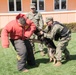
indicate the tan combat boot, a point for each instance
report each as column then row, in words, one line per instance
column 58, row 63
column 26, row 70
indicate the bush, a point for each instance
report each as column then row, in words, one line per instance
column 71, row 26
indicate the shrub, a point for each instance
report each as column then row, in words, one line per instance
column 71, row 26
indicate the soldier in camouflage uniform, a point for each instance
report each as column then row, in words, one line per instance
column 36, row 17
column 59, row 32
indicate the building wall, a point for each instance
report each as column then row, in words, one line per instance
column 62, row 16
column 48, row 5
column 26, row 5
column 3, row 6
column 71, row 4
column 5, row 18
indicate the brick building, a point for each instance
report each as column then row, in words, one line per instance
column 62, row 10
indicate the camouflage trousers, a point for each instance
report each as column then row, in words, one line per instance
column 61, row 47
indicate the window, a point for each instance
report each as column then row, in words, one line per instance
column 56, row 4
column 35, row 1
column 11, row 5
column 14, row 5
column 59, row 4
column 63, row 4
column 39, row 4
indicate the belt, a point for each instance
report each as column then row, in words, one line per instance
column 67, row 33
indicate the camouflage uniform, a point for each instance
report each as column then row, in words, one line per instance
column 36, row 17
column 59, row 32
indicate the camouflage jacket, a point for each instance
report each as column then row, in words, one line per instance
column 36, row 18
column 54, row 31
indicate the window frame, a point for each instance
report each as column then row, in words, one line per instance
column 14, row 7
column 60, row 9
column 38, row 6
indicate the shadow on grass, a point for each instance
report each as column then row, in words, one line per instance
column 45, row 51
column 46, row 60
column 43, row 60
column 72, row 57
column 38, row 61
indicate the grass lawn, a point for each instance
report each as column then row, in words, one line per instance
column 8, row 62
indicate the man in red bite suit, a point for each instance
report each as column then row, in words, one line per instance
column 19, row 31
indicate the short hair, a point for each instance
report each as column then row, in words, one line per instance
column 22, row 20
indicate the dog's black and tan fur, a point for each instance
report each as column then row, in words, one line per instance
column 49, row 43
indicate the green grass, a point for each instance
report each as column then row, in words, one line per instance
column 8, row 62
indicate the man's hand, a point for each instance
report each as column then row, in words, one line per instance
column 41, row 32
column 27, row 38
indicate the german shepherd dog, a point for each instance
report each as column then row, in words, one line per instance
column 49, row 43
